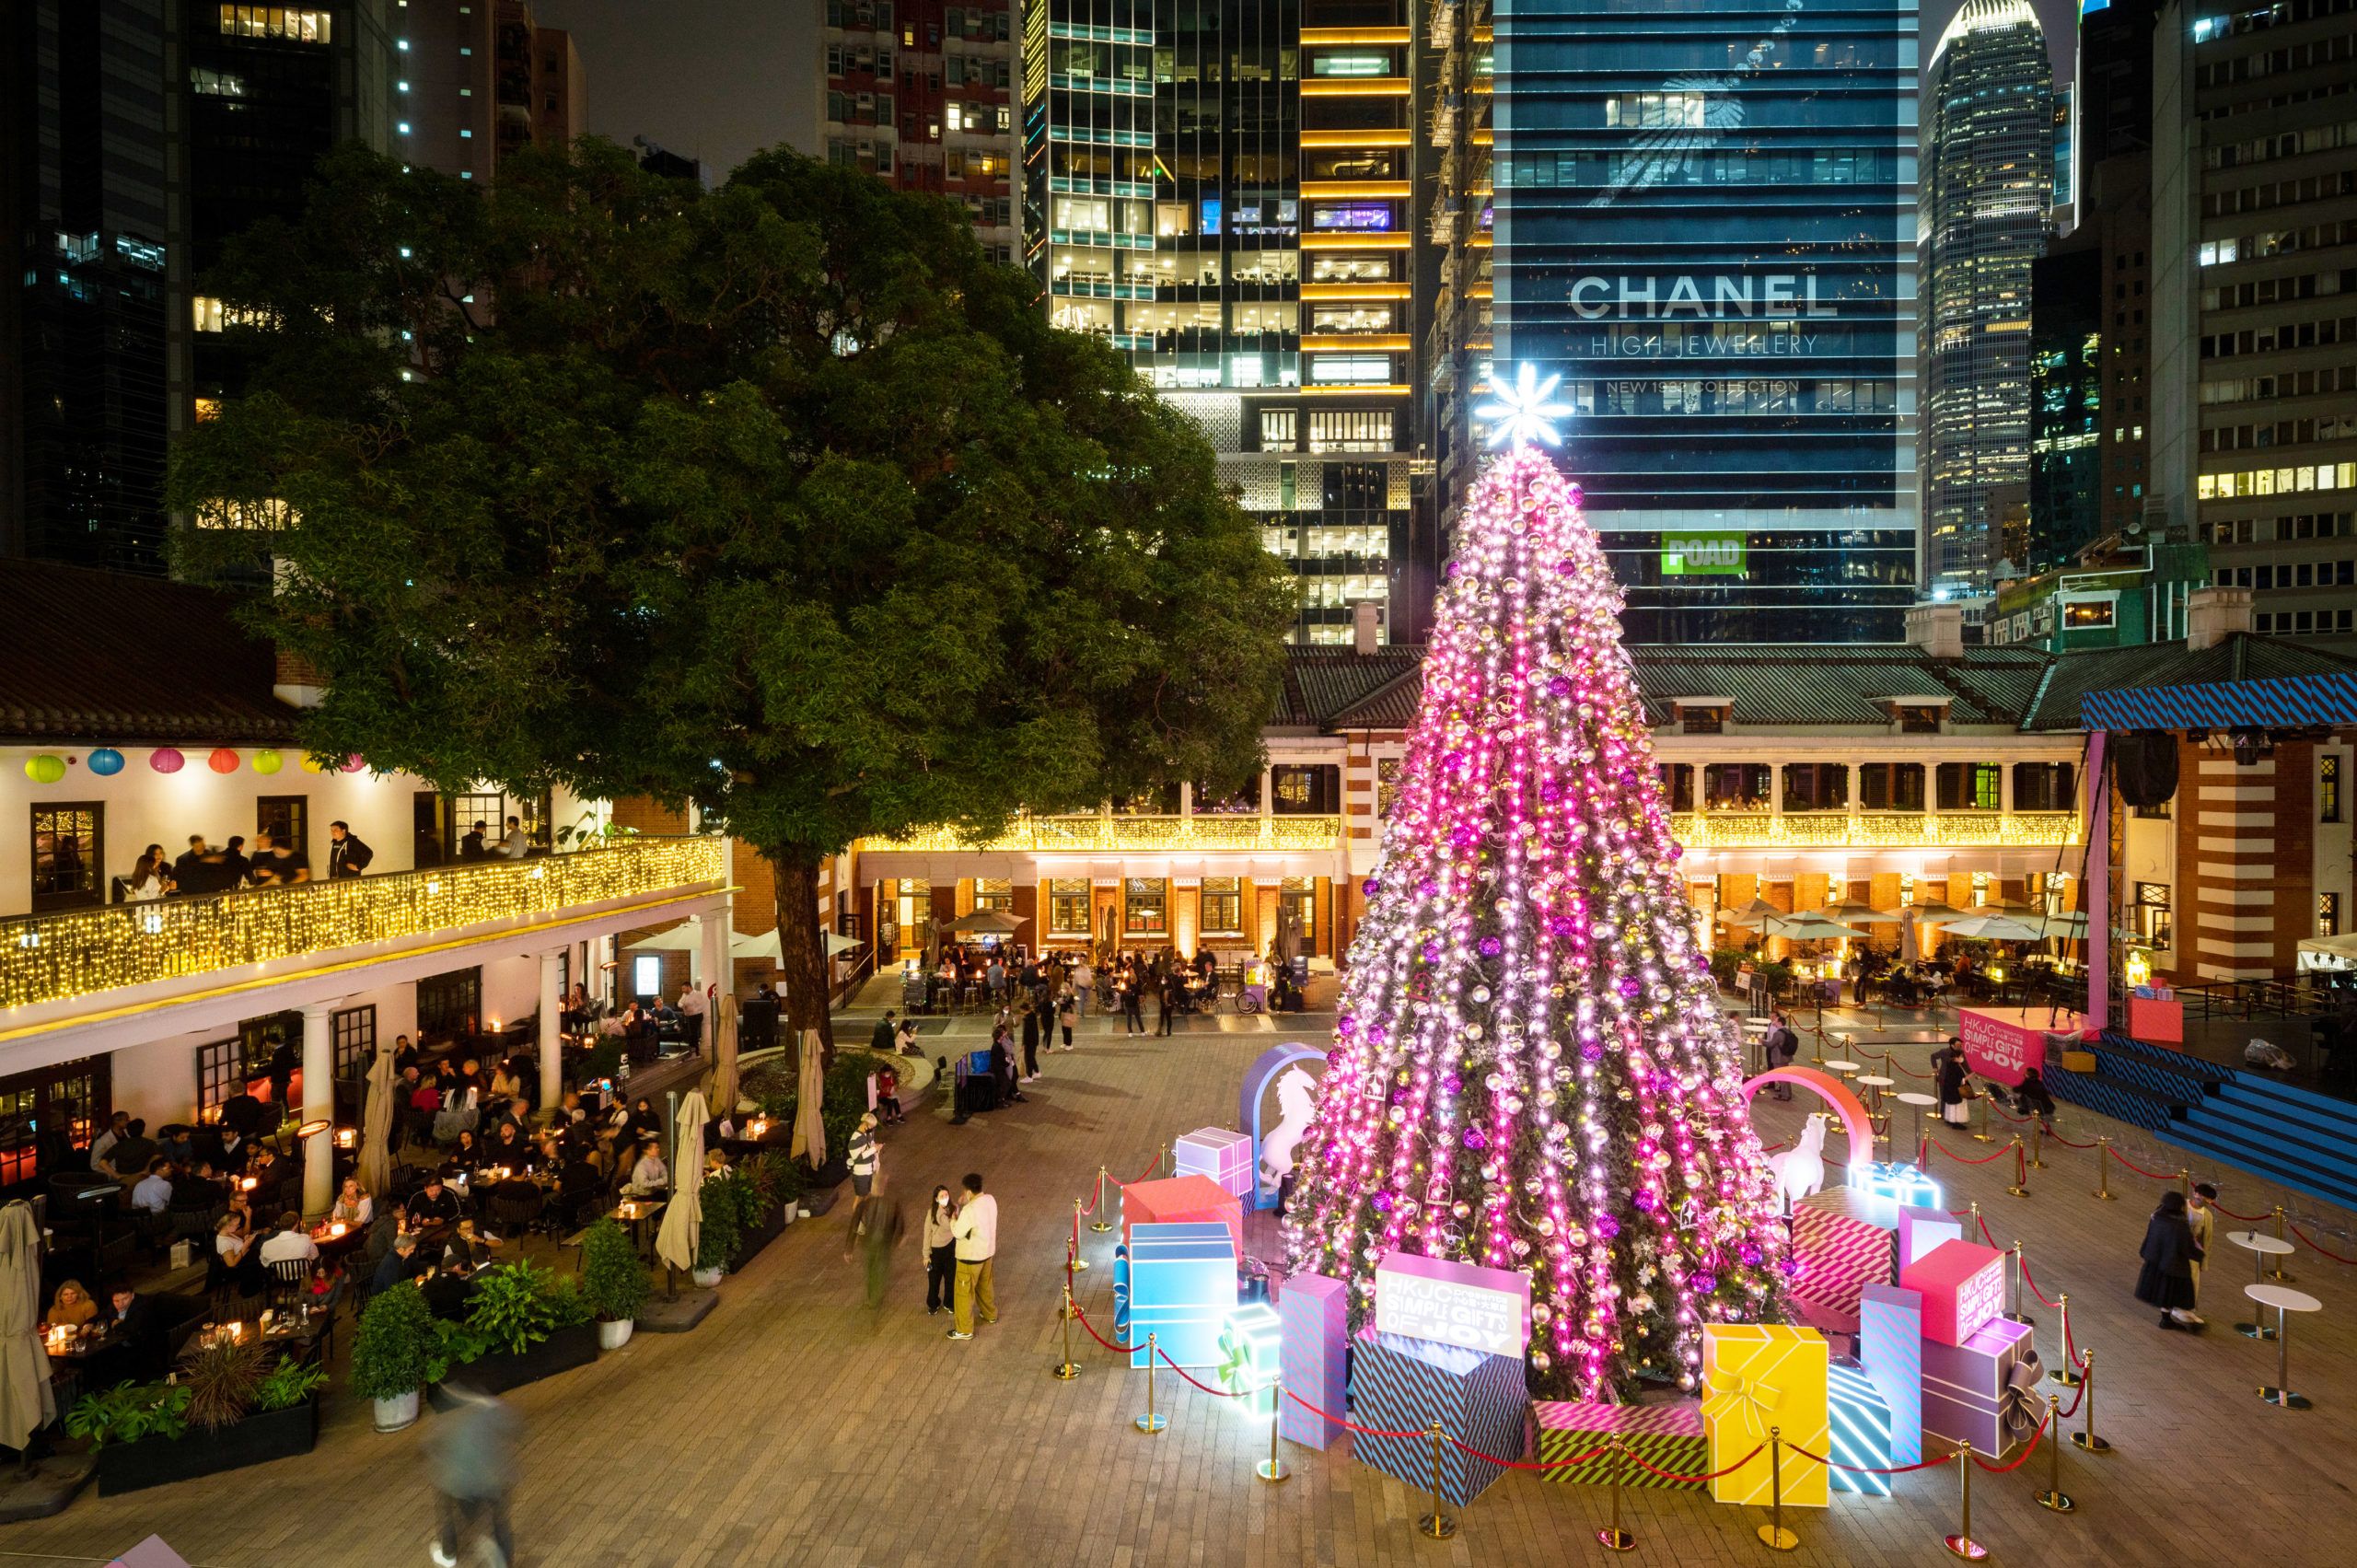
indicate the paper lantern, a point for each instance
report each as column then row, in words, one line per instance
column 223, row 761
column 45, row 768
column 312, row 764
column 354, row 763
column 268, row 761
column 106, row 761
column 165, row 759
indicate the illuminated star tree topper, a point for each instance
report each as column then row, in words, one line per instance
column 1526, row 412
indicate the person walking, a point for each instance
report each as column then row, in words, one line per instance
column 1780, row 1047
column 885, row 1230
column 1166, row 1003
column 864, row 1157
column 1067, row 1012
column 940, row 1253
column 1083, row 980
column 2170, row 1255
column 473, row 1448
column 1133, row 1007
column 691, row 1007
column 1031, row 1021
column 975, row 1233
column 2201, row 1218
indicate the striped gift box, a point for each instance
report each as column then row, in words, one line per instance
column 1313, row 1344
column 1667, row 1436
column 1860, row 1432
column 1890, row 1345
column 1840, row 1256
column 1404, row 1384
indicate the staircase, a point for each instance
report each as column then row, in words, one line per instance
column 2129, row 1084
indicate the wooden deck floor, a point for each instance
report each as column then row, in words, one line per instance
column 795, row 1427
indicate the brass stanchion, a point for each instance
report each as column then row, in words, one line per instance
column 2103, row 1168
column 2018, row 1315
column 1961, row 1544
column 1774, row 1534
column 1102, row 1225
column 2185, row 1181
column 1079, row 1263
column 1150, row 1422
column 2066, row 1375
column 1436, row 1526
column 1273, row 1468
column 2054, row 1497
column 2087, row 1438
column 2275, row 1264
column 2020, row 1188
column 2037, row 1144
column 1612, row 1536
column 1067, row 1369
column 1981, row 1119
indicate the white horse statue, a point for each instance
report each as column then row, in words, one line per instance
column 1800, row 1170
column 1296, row 1108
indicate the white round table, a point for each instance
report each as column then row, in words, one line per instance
column 1878, row 1083
column 2262, row 1246
column 1918, row 1101
column 1847, row 1069
column 2283, row 1298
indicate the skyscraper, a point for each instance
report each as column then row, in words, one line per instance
column 475, row 81
column 1988, row 197
column 1704, row 221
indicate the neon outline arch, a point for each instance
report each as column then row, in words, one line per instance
column 1855, row 1124
column 1257, row 1079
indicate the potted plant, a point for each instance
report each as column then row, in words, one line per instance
column 398, row 1352
column 614, row 1280
column 248, row 1416
column 524, row 1324
column 718, row 1229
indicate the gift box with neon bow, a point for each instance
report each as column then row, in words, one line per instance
column 1755, row 1377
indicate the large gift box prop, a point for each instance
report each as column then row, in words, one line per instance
column 1862, row 1437
column 1457, row 1304
column 1180, row 1200
column 1979, row 1392
column 1667, row 1436
column 1313, row 1347
column 1841, row 1253
column 1248, row 1356
column 1963, row 1284
column 1183, row 1290
column 1403, row 1384
column 1890, row 1345
column 1755, row 1377
column 1920, row 1230
column 1217, row 1154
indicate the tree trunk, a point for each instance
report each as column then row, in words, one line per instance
column 793, row 871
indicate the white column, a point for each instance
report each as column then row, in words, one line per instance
column 713, row 934
column 319, row 1105
column 552, row 1037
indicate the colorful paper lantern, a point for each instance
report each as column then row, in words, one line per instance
column 106, row 761
column 268, row 761
column 223, row 761
column 165, row 759
column 312, row 764
column 45, row 768
column 354, row 763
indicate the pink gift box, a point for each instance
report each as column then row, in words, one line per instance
column 1224, row 1156
column 1963, row 1286
column 1179, row 1199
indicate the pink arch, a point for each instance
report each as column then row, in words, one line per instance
column 1855, row 1123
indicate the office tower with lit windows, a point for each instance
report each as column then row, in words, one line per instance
column 1453, row 89
column 1228, row 192
column 477, row 79
column 1988, row 160
column 1703, row 220
column 923, row 95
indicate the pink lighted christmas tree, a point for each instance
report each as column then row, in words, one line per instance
column 1530, row 1068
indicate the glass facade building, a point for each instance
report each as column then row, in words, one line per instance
column 1705, row 220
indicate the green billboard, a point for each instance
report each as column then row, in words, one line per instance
column 1702, row 555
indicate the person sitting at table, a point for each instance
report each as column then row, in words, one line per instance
column 71, row 1307
column 154, row 1192
column 715, row 1163
column 433, row 1208
column 353, row 1206
column 447, row 1293
column 326, row 1288
column 175, row 1142
column 464, row 1159
column 470, row 1246
column 265, row 1167
column 644, row 1122
column 577, row 1181
column 509, row 1147
column 131, row 1152
column 234, row 1258
column 239, row 1214
column 650, row 1174
column 136, row 1322
column 544, row 1154
column 289, row 1242
column 403, row 1263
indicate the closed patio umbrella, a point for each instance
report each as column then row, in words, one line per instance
column 28, row 1403
column 723, row 1056
column 374, row 1166
column 683, row 1217
column 809, row 1130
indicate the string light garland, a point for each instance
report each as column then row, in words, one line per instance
column 1530, row 1068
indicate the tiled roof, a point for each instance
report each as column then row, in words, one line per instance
column 101, row 656
column 1322, row 682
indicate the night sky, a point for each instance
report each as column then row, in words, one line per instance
column 716, row 79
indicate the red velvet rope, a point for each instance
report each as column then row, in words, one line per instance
column 2246, row 1219
column 1164, row 1356
column 1984, row 1159
column 2033, row 1283
column 1692, row 1479
column 2067, row 1143
column 1117, row 1350
column 1345, row 1421
column 2335, row 1257
column 1869, row 1469
column 2024, row 1458
column 2148, row 1175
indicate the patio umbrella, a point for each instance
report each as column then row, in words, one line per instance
column 1910, row 943
column 724, row 1057
column 1751, row 913
column 1934, row 913
column 1806, row 927
column 1855, row 913
column 987, row 923
column 374, row 1166
column 809, row 1130
column 683, row 1217
column 1998, row 928
column 28, row 1403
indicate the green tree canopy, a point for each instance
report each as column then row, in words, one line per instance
column 779, row 499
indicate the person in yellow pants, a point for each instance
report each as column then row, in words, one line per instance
column 975, row 1231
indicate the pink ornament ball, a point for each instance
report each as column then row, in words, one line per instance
column 223, row 761
column 166, row 760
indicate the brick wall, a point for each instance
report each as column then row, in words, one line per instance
column 641, row 815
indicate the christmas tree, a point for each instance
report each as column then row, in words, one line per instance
column 1531, row 1070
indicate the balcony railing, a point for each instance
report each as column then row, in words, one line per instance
column 52, row 957
column 1100, row 835
column 1873, row 830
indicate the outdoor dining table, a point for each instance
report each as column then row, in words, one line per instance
column 2262, row 1246
column 640, row 1214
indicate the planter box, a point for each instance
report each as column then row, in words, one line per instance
column 751, row 1244
column 819, row 1200
column 258, row 1439
column 561, row 1352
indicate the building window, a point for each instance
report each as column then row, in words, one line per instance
column 74, row 1097
column 1816, row 786
column 224, row 1067
column 1068, row 906
column 1306, row 791
column 1706, row 718
column 2328, row 787
column 1387, row 785
column 2043, row 786
column 1676, row 784
column 355, row 1032
column 1970, row 787
column 277, row 21
column 1222, row 906
column 1205, row 801
column 450, row 1004
column 1279, row 429
column 1735, row 786
column 471, row 813
column 1297, row 908
column 2157, row 812
column 2328, row 914
column 2150, row 916
column 69, row 848
column 1351, row 430
column 287, row 818
column 1890, row 787
column 994, row 893
column 1921, row 718
column 1145, row 906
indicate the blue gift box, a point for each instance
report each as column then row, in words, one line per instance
column 1404, row 1384
column 1182, row 1288
column 1862, row 1432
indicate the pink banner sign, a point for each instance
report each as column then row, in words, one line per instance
column 2003, row 1044
column 1455, row 1304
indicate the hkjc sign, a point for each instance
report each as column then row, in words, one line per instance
column 1702, row 555
column 1455, row 1304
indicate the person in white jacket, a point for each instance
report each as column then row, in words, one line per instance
column 975, row 1230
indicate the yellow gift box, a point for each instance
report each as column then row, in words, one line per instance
column 1756, row 1378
